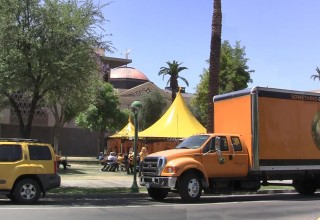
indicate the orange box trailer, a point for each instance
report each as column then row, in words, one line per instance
column 281, row 128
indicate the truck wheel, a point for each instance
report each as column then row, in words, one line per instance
column 27, row 191
column 190, row 188
column 305, row 187
column 158, row 194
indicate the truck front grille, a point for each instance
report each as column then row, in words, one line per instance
column 152, row 166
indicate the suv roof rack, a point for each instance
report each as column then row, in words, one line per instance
column 19, row 139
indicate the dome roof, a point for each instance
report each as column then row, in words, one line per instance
column 127, row 73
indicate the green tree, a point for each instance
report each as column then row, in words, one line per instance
column 46, row 47
column 315, row 76
column 199, row 104
column 234, row 75
column 103, row 113
column 214, row 61
column 153, row 106
column 173, row 70
column 234, row 72
column 124, row 117
column 68, row 105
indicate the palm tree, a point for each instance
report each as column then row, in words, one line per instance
column 314, row 76
column 173, row 70
column 214, row 66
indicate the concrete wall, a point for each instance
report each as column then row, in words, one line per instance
column 72, row 141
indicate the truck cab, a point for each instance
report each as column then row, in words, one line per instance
column 200, row 162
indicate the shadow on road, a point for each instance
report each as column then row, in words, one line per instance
column 143, row 200
column 251, row 197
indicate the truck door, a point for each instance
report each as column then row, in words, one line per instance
column 240, row 156
column 234, row 163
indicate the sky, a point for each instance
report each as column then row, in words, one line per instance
column 281, row 38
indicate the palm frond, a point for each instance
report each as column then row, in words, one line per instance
column 314, row 76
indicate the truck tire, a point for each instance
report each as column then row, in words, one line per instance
column 27, row 191
column 305, row 187
column 190, row 187
column 158, row 194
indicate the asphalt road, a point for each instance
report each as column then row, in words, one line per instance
column 140, row 206
column 268, row 206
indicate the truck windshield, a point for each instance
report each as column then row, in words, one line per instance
column 193, row 142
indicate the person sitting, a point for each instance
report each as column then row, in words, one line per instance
column 62, row 161
column 100, row 157
column 111, row 163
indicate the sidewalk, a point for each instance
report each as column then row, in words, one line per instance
column 86, row 172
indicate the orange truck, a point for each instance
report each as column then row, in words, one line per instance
column 262, row 137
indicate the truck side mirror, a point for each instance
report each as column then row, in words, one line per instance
column 217, row 143
column 217, row 146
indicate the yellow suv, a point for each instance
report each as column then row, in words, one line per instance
column 27, row 169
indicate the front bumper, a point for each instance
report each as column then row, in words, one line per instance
column 158, row 182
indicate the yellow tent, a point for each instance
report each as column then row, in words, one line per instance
column 126, row 132
column 177, row 122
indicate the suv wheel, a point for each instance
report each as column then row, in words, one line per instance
column 27, row 191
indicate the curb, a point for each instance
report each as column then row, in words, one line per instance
column 97, row 196
column 145, row 194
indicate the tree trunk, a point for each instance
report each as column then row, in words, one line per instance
column 56, row 128
column 214, row 67
column 101, row 142
column 56, row 135
column 173, row 95
column 174, row 87
column 25, row 127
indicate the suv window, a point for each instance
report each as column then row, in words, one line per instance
column 39, row 152
column 10, row 153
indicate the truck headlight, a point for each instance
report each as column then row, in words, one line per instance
column 171, row 169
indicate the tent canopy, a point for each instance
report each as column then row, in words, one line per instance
column 177, row 122
column 126, row 132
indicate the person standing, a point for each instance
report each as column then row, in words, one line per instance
column 143, row 153
column 120, row 161
column 130, row 161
